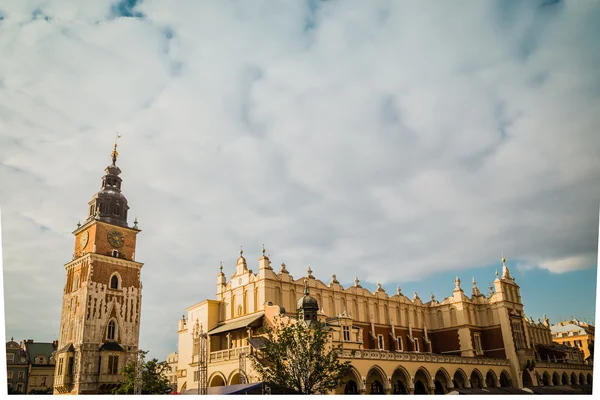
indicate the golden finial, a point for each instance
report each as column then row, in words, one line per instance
column 263, row 250
column 114, row 153
column 221, row 267
column 241, row 251
column 503, row 259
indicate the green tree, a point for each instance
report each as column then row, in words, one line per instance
column 298, row 358
column 154, row 380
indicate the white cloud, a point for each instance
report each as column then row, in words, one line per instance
column 413, row 138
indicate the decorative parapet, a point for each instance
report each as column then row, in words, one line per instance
column 407, row 356
column 542, row 364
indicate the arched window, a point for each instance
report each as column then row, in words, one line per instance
column 239, row 311
column 101, row 207
column 114, row 282
column 111, row 331
column 92, row 209
column 76, row 282
column 117, row 209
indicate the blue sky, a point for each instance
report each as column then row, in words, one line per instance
column 401, row 142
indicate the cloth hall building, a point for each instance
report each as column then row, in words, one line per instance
column 396, row 344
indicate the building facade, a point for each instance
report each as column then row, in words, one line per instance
column 396, row 344
column 17, row 368
column 171, row 373
column 574, row 333
column 102, row 297
column 40, row 357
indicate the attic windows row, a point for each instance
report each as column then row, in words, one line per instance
column 102, row 208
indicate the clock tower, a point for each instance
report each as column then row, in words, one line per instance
column 102, row 297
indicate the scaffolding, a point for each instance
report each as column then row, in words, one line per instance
column 202, row 358
column 139, row 370
column 242, row 367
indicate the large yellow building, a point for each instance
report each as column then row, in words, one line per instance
column 396, row 344
column 574, row 333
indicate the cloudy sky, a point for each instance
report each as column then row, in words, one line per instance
column 402, row 142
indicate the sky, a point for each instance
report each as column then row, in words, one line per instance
column 405, row 143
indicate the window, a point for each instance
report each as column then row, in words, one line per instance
column 239, row 310
column 43, row 381
column 380, row 342
column 195, row 376
column 567, row 343
column 60, row 365
column 346, row 330
column 10, row 357
column 114, row 280
column 92, row 210
column 111, row 331
column 10, row 375
column 115, row 253
column 578, row 343
column 113, row 365
column 19, row 388
column 399, row 344
column 76, row 282
column 101, row 207
column 70, row 366
column 417, row 345
column 117, row 209
column 478, row 348
column 518, row 335
column 21, row 375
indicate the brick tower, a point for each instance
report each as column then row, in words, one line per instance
column 102, row 298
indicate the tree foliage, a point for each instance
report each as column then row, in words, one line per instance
column 154, row 380
column 299, row 359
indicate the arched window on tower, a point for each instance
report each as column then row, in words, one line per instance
column 91, row 210
column 117, row 209
column 111, row 332
column 114, row 282
column 101, row 207
column 76, row 282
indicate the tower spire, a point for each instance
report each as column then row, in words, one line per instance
column 114, row 153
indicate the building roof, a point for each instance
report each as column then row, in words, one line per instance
column 111, row 346
column 36, row 349
column 569, row 328
column 236, row 324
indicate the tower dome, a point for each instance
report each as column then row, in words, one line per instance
column 109, row 204
column 307, row 306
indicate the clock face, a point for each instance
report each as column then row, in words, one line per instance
column 83, row 240
column 115, row 238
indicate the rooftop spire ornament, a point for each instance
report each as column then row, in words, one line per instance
column 263, row 250
column 114, row 153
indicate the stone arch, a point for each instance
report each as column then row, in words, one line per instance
column 546, row 379
column 573, row 378
column 490, row 379
column 442, row 382
column 376, row 380
column 440, row 319
column 581, row 379
column 400, row 381
column 460, row 380
column 477, row 379
column 293, row 300
column 589, row 379
column 422, row 382
column 351, row 382
column 217, row 379
column 527, row 379
column 255, row 299
column 235, row 377
column 564, row 378
column 555, row 379
column 453, row 321
column 115, row 281
column 505, row 380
